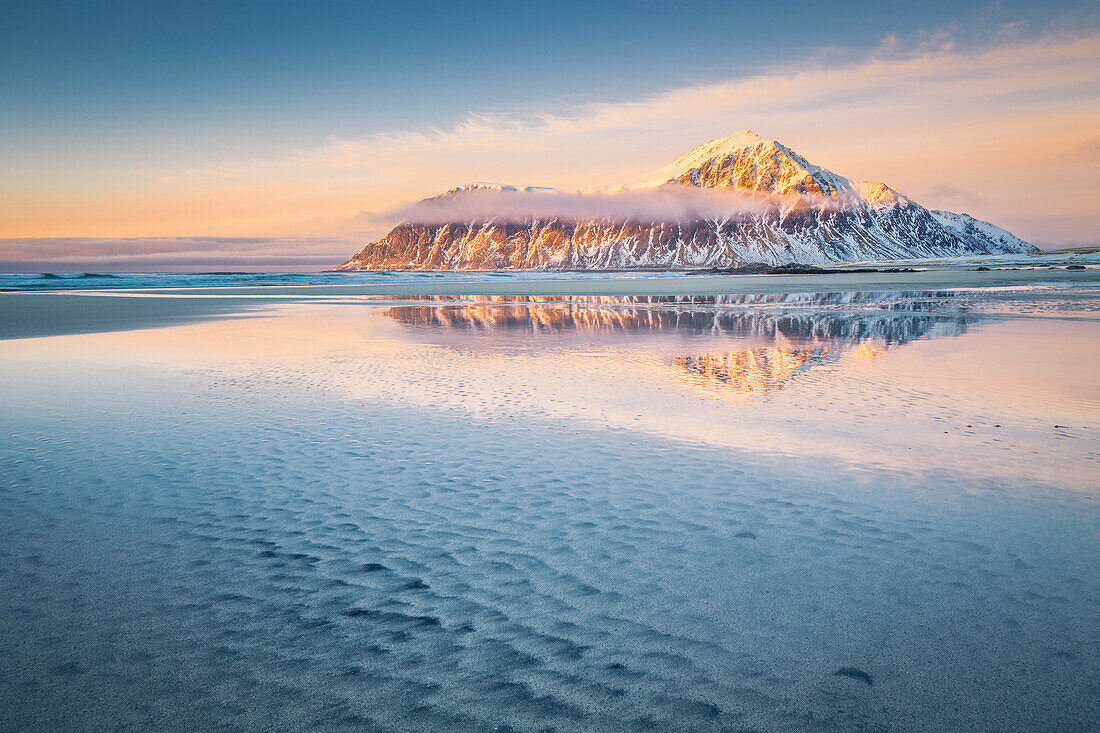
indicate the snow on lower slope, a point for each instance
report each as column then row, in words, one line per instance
column 981, row 235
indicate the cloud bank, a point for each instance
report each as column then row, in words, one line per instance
column 124, row 254
column 667, row 205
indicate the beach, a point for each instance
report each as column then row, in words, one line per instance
column 853, row 501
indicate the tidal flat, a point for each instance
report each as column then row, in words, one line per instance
column 863, row 502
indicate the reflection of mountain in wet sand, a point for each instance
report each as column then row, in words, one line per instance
column 748, row 370
column 797, row 330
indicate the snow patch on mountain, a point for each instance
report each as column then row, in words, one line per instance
column 981, row 235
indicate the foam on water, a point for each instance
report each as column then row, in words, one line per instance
column 851, row 512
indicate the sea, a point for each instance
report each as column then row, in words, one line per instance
column 47, row 281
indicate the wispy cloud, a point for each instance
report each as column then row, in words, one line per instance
column 193, row 174
column 475, row 130
column 130, row 253
column 953, row 194
column 1007, row 79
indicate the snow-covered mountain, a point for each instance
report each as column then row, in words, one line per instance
column 729, row 202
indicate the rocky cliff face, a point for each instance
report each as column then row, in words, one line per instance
column 762, row 202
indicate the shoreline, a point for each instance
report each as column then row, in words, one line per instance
column 36, row 314
column 678, row 284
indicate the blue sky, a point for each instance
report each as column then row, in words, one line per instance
column 97, row 96
column 337, row 67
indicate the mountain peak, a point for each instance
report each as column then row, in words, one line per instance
column 739, row 140
column 490, row 186
column 878, row 194
column 718, row 148
column 746, row 161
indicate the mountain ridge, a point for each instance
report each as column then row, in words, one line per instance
column 729, row 202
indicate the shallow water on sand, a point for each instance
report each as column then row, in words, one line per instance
column 850, row 511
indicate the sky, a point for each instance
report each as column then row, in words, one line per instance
column 278, row 135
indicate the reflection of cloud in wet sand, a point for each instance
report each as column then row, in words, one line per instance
column 787, row 332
